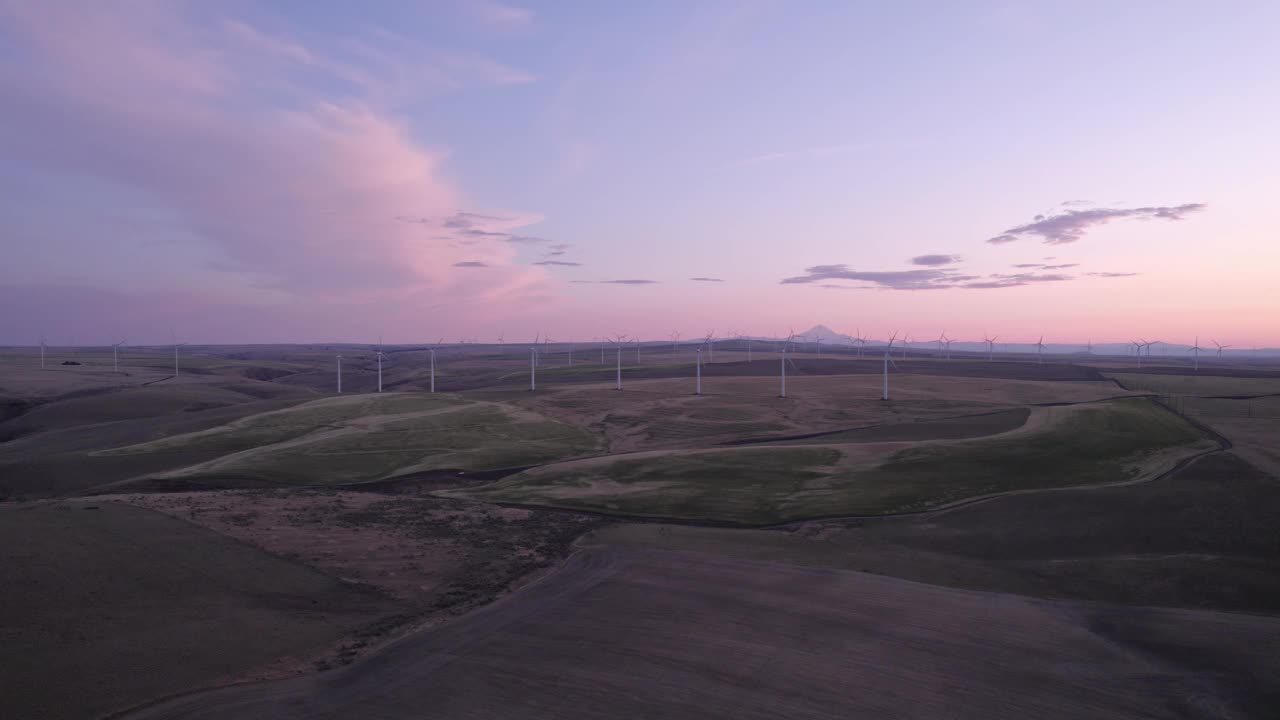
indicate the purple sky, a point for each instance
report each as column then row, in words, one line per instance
column 289, row 172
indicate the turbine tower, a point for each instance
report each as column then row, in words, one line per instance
column 379, row 355
column 1221, row 347
column 432, row 350
column 888, row 350
column 42, row 352
column 1137, row 350
column 1196, row 349
column 176, row 345
column 339, row 374
column 675, row 338
column 1040, row 351
column 618, row 341
column 991, row 343
column 711, row 345
column 698, row 364
column 783, row 358
column 533, row 366
column 115, row 356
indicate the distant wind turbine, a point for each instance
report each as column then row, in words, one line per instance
column 991, row 343
column 115, row 355
column 698, row 364
column 42, row 346
column 783, row 359
column 1137, row 350
column 711, row 345
column 533, row 367
column 339, row 374
column 675, row 338
column 906, row 343
column 379, row 356
column 888, row 350
column 176, row 345
column 1196, row 349
column 618, row 341
column 1221, row 347
column 1040, row 351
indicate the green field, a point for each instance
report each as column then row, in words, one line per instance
column 370, row 437
column 1108, row 442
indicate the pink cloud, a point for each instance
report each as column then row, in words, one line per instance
column 298, row 194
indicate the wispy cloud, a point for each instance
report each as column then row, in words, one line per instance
column 896, row 279
column 706, row 279
column 563, row 263
column 932, row 279
column 935, row 260
column 1112, row 274
column 1072, row 225
column 615, row 282
column 470, row 264
column 1029, row 265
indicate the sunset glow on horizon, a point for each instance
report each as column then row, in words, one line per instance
column 249, row 172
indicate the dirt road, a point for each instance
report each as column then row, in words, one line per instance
column 635, row 633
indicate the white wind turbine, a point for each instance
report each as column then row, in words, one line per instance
column 537, row 337
column 888, row 350
column 1221, row 347
column 1196, row 349
column 42, row 346
column 711, row 345
column 115, row 355
column 862, row 342
column 906, row 343
column 176, row 345
column 1040, row 351
column 698, row 364
column 533, row 366
column 1137, row 350
column 991, row 343
column 380, row 356
column 637, row 350
column 339, row 374
column 432, row 350
column 783, row 358
column 618, row 341
column 675, row 338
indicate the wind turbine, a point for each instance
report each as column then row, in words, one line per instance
column 1040, row 351
column 818, row 341
column 1221, row 347
column 432, row 350
column 339, row 374
column 637, row 350
column 675, row 338
column 862, row 342
column 711, row 345
column 176, row 345
column 948, row 342
column 501, row 344
column 991, row 343
column 698, row 387
column 380, row 356
column 748, row 348
column 536, row 337
column 906, row 343
column 115, row 355
column 888, row 350
column 533, row 366
column 618, row 342
column 1196, row 349
column 41, row 352
column 783, row 358
column 1137, row 350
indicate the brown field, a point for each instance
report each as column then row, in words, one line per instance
column 643, row 634
column 107, row 606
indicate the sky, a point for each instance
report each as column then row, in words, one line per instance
column 244, row 172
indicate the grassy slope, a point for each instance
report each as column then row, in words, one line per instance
column 120, row 605
column 1203, row 537
column 1108, row 442
column 369, row 437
